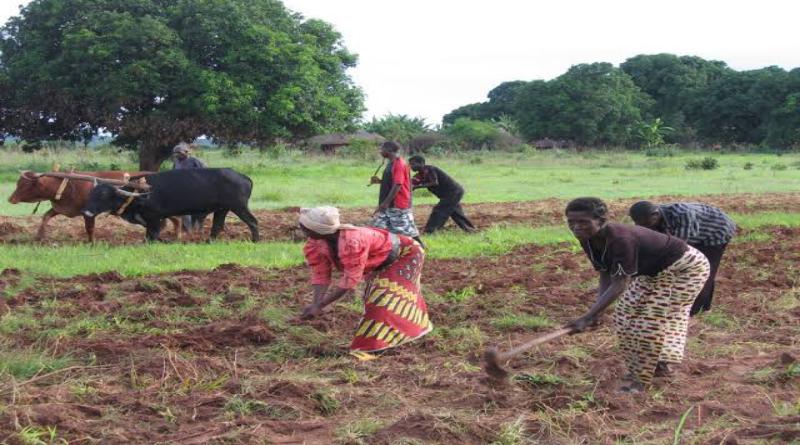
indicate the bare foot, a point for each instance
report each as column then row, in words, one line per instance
column 662, row 370
column 632, row 387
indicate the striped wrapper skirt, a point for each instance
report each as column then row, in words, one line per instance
column 652, row 317
column 394, row 310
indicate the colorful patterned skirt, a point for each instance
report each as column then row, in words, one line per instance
column 394, row 310
column 652, row 317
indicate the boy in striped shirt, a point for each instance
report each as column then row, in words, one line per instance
column 704, row 227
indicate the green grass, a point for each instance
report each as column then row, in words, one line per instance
column 718, row 319
column 462, row 339
column 242, row 406
column 159, row 258
column 134, row 260
column 142, row 259
column 512, row 433
column 766, row 219
column 357, row 431
column 296, row 179
column 509, row 322
column 24, row 365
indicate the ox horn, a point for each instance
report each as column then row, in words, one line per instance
column 28, row 173
column 128, row 194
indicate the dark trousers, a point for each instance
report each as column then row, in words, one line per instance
column 714, row 255
column 193, row 223
column 449, row 207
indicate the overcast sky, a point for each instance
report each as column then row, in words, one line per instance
column 426, row 57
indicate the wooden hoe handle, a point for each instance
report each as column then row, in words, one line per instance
column 531, row 343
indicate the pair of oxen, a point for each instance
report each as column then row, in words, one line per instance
column 142, row 198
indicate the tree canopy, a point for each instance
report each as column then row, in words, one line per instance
column 397, row 127
column 594, row 104
column 156, row 72
column 502, row 101
column 699, row 100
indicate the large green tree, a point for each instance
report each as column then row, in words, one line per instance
column 783, row 129
column 502, row 102
column 398, row 127
column 592, row 104
column 156, row 72
column 739, row 106
column 676, row 84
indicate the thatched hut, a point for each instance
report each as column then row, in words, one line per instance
column 331, row 141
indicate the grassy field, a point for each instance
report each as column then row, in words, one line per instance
column 143, row 259
column 199, row 343
column 293, row 179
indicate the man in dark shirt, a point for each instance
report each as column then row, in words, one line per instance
column 704, row 227
column 446, row 189
column 182, row 161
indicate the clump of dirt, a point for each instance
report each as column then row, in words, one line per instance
column 434, row 429
column 10, row 273
column 225, row 334
column 7, row 228
column 105, row 277
column 8, row 278
column 183, row 300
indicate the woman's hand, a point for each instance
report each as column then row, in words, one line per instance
column 310, row 311
column 374, row 180
column 381, row 208
column 579, row 325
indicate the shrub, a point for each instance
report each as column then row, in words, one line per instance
column 748, row 166
column 275, row 151
column 707, row 163
column 436, row 150
column 660, row 152
column 233, row 151
column 398, row 127
column 474, row 135
column 359, row 149
column 422, row 143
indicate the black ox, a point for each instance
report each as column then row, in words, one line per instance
column 178, row 192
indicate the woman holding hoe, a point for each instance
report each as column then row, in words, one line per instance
column 394, row 310
column 657, row 276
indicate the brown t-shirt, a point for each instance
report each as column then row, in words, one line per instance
column 634, row 250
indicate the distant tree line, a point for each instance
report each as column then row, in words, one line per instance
column 698, row 101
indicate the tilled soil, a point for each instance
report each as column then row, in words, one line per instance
column 281, row 224
column 219, row 357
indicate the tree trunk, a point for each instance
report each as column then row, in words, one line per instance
column 152, row 156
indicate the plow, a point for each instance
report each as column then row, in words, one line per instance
column 139, row 184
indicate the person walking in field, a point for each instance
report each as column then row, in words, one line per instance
column 446, row 189
column 183, row 160
column 394, row 203
column 657, row 277
column 704, row 227
column 394, row 309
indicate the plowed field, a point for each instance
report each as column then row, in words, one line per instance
column 281, row 224
column 218, row 357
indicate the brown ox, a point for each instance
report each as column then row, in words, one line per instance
column 73, row 196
